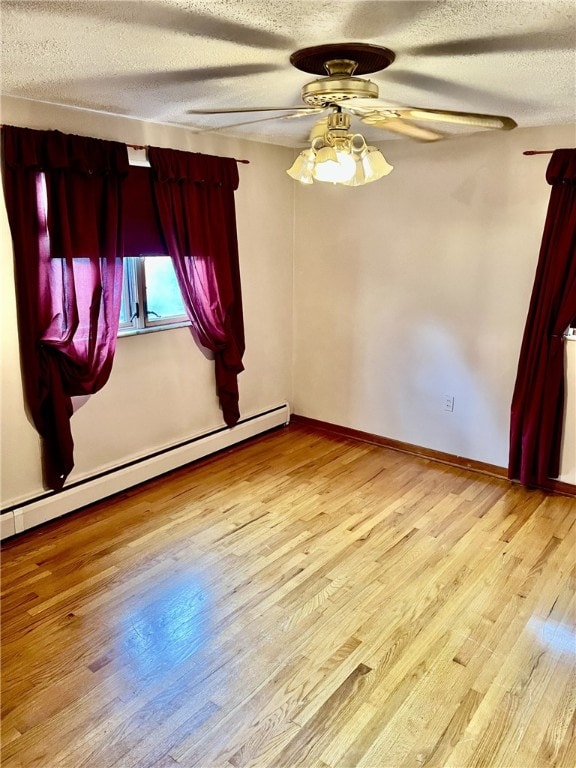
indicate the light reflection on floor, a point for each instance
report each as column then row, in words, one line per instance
column 171, row 627
column 557, row 636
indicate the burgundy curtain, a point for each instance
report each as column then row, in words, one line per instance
column 538, row 401
column 64, row 208
column 194, row 195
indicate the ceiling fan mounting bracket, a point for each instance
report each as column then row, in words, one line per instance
column 340, row 61
column 367, row 58
column 345, row 67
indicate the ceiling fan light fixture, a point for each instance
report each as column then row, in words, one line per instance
column 302, row 168
column 339, row 157
column 374, row 164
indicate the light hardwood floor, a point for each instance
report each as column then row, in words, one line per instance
column 302, row 600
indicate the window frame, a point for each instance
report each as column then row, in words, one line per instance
column 134, row 299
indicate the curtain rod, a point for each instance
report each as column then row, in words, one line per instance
column 145, row 146
column 538, row 152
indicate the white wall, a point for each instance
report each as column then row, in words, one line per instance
column 406, row 290
column 417, row 286
column 162, row 390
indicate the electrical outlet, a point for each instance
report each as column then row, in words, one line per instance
column 449, row 403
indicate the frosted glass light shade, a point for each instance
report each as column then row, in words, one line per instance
column 334, row 165
column 301, row 169
column 374, row 164
column 359, row 178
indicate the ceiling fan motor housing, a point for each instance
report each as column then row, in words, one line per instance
column 330, row 90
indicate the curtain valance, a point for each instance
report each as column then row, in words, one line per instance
column 175, row 165
column 26, row 148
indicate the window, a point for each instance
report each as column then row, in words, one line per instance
column 151, row 298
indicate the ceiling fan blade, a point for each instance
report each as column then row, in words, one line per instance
column 365, row 107
column 297, row 110
column 215, row 129
column 305, row 112
column 318, row 129
column 498, row 122
column 403, row 127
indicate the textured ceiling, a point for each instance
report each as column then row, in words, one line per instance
column 156, row 59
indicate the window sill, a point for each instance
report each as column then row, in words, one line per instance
column 123, row 332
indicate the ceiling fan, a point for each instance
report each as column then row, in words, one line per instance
column 341, row 92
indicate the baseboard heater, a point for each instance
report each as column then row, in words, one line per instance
column 51, row 505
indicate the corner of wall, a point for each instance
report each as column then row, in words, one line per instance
column 293, row 329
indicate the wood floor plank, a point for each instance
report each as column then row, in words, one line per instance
column 302, row 600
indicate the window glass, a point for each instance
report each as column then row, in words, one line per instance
column 125, row 306
column 151, row 298
column 163, row 297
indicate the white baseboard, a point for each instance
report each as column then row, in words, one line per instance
column 7, row 527
column 41, row 510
